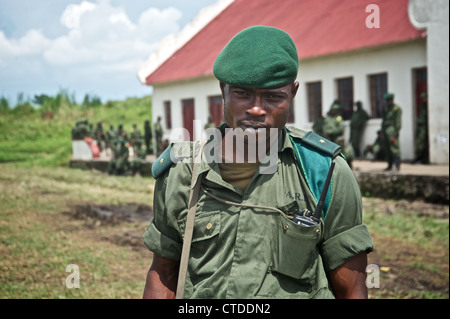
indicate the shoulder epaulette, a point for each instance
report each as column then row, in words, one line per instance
column 162, row 163
column 315, row 141
column 174, row 153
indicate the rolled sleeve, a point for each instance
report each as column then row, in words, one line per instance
column 160, row 244
column 338, row 249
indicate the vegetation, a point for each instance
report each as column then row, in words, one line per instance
column 38, row 132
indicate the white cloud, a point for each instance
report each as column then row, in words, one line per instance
column 32, row 42
column 99, row 37
column 71, row 15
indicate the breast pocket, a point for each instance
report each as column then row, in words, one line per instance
column 295, row 249
column 204, row 256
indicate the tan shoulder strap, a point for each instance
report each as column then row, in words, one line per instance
column 189, row 230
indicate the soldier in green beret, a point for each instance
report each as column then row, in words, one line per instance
column 390, row 126
column 247, row 232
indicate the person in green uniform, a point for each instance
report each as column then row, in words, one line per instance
column 158, row 136
column 246, row 243
column 139, row 157
column 135, row 135
column 390, row 126
column 357, row 124
column 333, row 124
column 119, row 164
column 110, row 138
column 377, row 148
column 422, row 131
column 148, row 137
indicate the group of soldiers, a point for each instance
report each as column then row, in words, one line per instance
column 386, row 146
column 332, row 128
column 127, row 151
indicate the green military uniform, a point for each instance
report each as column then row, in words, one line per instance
column 158, row 136
column 110, row 137
column 333, row 125
column 377, row 148
column 248, row 252
column 140, row 154
column 119, row 164
column 357, row 123
column 422, row 132
column 390, row 126
column 135, row 135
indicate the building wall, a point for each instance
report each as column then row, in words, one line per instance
column 433, row 15
column 398, row 61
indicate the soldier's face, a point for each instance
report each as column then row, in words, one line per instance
column 249, row 108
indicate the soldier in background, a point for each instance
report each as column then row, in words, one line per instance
column 158, row 136
column 139, row 157
column 357, row 124
column 135, row 135
column 148, row 137
column 390, row 126
column 333, row 124
column 99, row 136
column 110, row 138
column 119, row 164
column 422, row 131
column 377, row 148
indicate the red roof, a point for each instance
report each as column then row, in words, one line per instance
column 317, row 28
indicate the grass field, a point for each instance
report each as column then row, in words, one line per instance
column 40, row 236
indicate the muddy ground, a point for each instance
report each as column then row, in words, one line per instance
column 401, row 276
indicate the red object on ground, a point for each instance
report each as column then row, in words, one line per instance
column 93, row 146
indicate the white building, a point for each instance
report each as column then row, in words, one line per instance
column 348, row 49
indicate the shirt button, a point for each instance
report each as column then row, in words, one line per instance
column 208, row 226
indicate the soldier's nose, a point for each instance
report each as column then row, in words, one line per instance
column 256, row 111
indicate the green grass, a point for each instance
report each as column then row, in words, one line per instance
column 38, row 238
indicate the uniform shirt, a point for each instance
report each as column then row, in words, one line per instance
column 247, row 252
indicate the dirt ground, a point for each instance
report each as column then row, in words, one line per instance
column 399, row 261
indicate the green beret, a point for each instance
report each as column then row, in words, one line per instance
column 258, row 57
column 335, row 107
column 388, row 96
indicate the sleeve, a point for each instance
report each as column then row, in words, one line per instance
column 161, row 237
column 344, row 233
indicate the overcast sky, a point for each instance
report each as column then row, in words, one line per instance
column 94, row 46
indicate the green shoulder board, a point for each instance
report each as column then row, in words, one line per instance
column 314, row 155
column 162, row 163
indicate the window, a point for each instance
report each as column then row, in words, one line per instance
column 188, row 112
column 345, row 97
column 314, row 95
column 215, row 109
column 168, row 114
column 377, row 88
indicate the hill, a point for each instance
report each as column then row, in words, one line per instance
column 41, row 135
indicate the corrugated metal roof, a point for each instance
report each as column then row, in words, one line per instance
column 317, row 27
